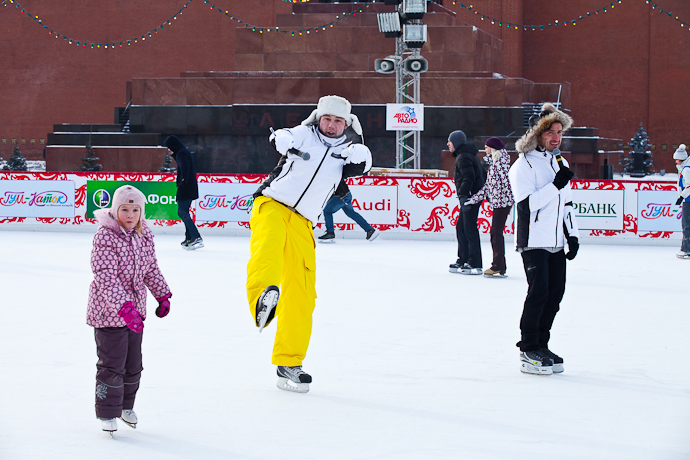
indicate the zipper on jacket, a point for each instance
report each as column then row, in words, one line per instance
column 286, row 172
column 536, row 218
column 312, row 177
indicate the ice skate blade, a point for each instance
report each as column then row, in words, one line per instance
column 474, row 271
column 683, row 256
column 558, row 368
column 528, row 368
column 454, row 270
column 327, row 241
column 131, row 425
column 288, row 385
column 495, row 276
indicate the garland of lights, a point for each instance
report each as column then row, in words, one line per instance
column 98, row 45
column 557, row 23
column 254, row 28
column 292, row 32
column 150, row 33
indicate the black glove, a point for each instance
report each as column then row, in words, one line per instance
column 562, row 178
column 679, row 200
column 463, row 199
column 573, row 246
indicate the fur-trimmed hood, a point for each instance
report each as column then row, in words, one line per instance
column 540, row 123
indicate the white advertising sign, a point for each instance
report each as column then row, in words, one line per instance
column 599, row 209
column 29, row 198
column 404, row 117
column 378, row 204
column 657, row 211
column 224, row 202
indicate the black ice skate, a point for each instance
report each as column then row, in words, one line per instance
column 456, row 267
column 372, row 233
column 535, row 362
column 266, row 306
column 293, row 379
column 467, row 269
column 557, row 360
column 194, row 244
column 328, row 237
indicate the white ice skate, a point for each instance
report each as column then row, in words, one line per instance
column 469, row 270
column 535, row 362
column 683, row 255
column 293, row 379
column 129, row 417
column 266, row 305
column 109, row 425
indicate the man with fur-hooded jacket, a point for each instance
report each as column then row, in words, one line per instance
column 286, row 208
column 545, row 222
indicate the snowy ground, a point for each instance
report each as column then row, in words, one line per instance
column 409, row 361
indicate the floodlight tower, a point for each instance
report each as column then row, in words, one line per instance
column 410, row 34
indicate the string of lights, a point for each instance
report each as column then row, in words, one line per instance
column 261, row 30
column 557, row 23
column 169, row 22
column 90, row 45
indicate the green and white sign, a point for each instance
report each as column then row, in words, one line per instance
column 161, row 203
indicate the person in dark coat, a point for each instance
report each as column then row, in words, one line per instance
column 469, row 179
column 187, row 190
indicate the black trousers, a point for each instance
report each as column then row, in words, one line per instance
column 118, row 370
column 545, row 273
column 498, row 223
column 469, row 246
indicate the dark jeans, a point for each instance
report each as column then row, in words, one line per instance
column 545, row 273
column 190, row 232
column 498, row 223
column 337, row 203
column 118, row 369
column 469, row 247
column 685, row 222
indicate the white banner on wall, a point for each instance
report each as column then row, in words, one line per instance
column 24, row 198
column 224, row 202
column 599, row 209
column 657, row 211
column 378, row 204
column 404, row 117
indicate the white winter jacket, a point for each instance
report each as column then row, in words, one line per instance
column 544, row 213
column 306, row 186
column 684, row 179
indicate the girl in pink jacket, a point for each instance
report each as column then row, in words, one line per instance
column 124, row 263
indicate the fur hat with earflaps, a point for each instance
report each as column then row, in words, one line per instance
column 539, row 123
column 336, row 106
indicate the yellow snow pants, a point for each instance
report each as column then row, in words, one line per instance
column 282, row 253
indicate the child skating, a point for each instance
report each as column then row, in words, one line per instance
column 123, row 261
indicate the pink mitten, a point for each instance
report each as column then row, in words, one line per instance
column 163, row 306
column 131, row 317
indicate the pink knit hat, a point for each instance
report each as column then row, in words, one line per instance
column 128, row 195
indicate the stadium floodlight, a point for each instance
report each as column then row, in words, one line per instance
column 414, row 9
column 390, row 24
column 414, row 35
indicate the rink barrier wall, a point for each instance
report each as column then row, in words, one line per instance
column 397, row 206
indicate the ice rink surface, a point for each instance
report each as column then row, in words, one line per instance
column 409, row 361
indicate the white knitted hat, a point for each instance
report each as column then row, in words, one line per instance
column 680, row 153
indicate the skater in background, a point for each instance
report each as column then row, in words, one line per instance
column 124, row 264
column 497, row 190
column 469, row 177
column 683, row 165
column 286, row 208
column 545, row 222
column 187, row 190
column 342, row 199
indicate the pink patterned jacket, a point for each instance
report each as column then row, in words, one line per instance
column 497, row 186
column 123, row 264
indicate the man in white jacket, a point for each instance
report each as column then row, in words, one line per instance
column 316, row 155
column 683, row 165
column 545, row 223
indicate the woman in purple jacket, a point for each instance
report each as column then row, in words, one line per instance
column 124, row 264
column 497, row 190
